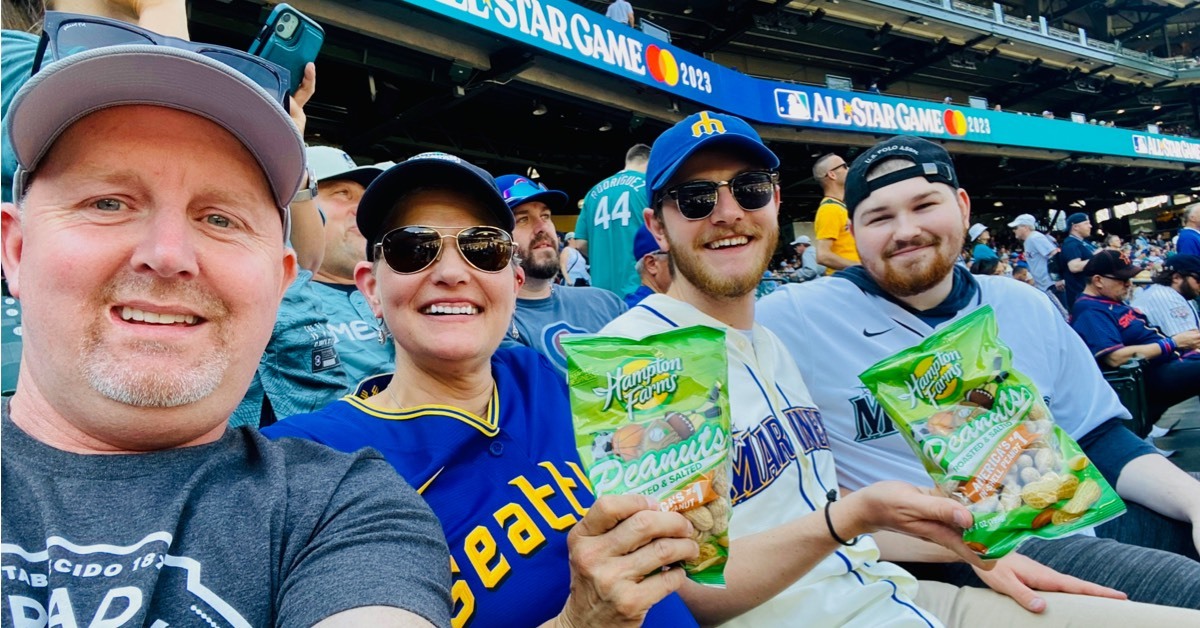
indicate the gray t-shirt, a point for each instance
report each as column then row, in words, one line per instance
column 239, row 532
column 1038, row 248
column 542, row 323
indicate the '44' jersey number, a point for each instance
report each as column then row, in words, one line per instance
column 620, row 211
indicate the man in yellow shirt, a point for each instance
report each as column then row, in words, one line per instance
column 835, row 243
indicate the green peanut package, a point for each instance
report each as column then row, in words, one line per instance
column 652, row 418
column 987, row 439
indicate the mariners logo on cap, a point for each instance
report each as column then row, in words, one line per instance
column 707, row 126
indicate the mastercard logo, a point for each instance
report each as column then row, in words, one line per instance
column 662, row 65
column 955, row 121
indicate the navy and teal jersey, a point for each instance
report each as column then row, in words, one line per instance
column 609, row 220
column 10, row 340
column 507, row 486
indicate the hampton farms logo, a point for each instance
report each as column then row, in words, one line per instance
column 934, row 379
column 641, row 384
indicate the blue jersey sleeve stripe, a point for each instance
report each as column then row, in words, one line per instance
column 658, row 314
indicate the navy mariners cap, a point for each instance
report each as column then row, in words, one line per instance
column 1183, row 264
column 426, row 170
column 930, row 161
column 643, row 243
column 518, row 190
column 701, row 130
column 1112, row 264
column 1076, row 218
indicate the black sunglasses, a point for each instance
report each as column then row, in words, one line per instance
column 697, row 199
column 66, row 34
column 414, row 248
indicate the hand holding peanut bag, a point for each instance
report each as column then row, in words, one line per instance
column 987, row 439
column 652, row 418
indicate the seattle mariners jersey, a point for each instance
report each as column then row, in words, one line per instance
column 1166, row 309
column 541, row 323
column 611, row 216
column 835, row 331
column 782, row 469
column 507, row 486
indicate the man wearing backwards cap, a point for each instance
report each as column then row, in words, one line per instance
column 546, row 312
column 1076, row 251
column 795, row 558
column 909, row 217
column 1165, row 302
column 325, row 339
column 1115, row 332
column 147, row 246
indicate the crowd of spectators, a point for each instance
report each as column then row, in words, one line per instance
column 262, row 384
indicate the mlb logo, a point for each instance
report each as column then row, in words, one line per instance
column 792, row 105
column 1139, row 144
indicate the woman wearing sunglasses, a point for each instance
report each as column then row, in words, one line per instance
column 485, row 433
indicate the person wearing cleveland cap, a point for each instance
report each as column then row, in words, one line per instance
column 1165, row 302
column 910, row 216
column 1116, row 332
column 147, row 243
column 545, row 311
column 485, row 430
column 325, row 339
column 1076, row 251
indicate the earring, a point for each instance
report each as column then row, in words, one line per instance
column 381, row 331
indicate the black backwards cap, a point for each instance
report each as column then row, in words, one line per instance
column 930, row 161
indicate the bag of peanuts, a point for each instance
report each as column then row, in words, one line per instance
column 652, row 418
column 987, row 438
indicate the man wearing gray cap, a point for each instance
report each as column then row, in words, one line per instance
column 325, row 339
column 1076, row 251
column 1039, row 248
column 147, row 243
column 809, row 269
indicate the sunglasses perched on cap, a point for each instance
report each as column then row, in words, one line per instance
column 414, row 248
column 696, row 199
column 66, row 34
column 524, row 187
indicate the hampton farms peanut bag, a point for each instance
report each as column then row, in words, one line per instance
column 987, row 439
column 652, row 417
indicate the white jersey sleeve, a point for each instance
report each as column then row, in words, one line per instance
column 1166, row 309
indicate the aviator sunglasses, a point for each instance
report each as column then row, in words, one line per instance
column 697, row 199
column 412, row 249
column 66, row 34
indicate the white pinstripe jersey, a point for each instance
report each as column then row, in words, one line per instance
column 782, row 470
column 1166, row 309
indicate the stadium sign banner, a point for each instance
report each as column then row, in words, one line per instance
column 573, row 32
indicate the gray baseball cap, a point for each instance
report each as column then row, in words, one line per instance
column 330, row 163
column 67, row 90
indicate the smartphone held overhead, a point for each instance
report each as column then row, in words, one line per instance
column 291, row 39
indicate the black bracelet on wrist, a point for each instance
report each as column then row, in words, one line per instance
column 831, row 497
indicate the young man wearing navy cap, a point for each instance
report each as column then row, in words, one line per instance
column 546, row 312
column 1076, row 251
column 1115, row 332
column 910, row 217
column 148, row 245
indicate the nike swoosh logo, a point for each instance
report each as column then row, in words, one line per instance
column 872, row 334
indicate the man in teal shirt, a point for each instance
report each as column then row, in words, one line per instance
column 611, row 216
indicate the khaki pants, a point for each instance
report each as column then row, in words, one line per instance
column 970, row 607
